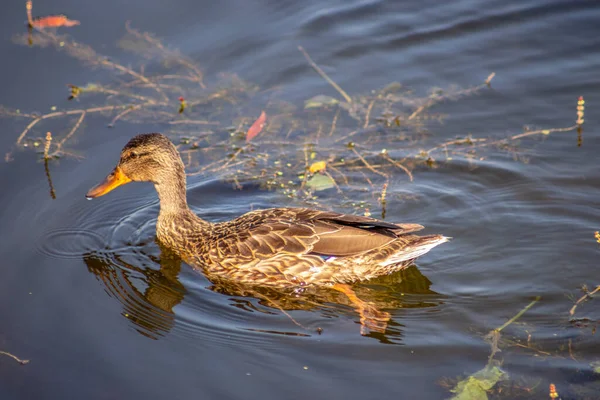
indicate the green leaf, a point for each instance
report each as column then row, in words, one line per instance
column 320, row 101
column 320, row 182
column 475, row 387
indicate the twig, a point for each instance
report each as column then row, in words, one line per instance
column 47, row 145
column 91, row 54
column 494, row 335
column 583, row 298
column 344, row 177
column 47, row 170
column 543, row 131
column 397, row 164
column 339, row 190
column 324, row 75
column 123, row 113
column 306, row 168
column 63, row 113
column 348, row 136
column 464, row 92
column 28, row 7
column 513, row 343
column 519, row 314
column 100, row 89
column 17, row 359
column 173, row 54
column 75, row 127
column 233, row 157
column 192, row 122
column 368, row 113
column 334, row 122
column 369, row 166
column 571, row 351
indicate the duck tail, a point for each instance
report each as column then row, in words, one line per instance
column 420, row 246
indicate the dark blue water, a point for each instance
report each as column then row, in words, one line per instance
column 102, row 312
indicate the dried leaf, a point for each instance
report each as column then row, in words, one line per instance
column 320, row 182
column 256, row 127
column 318, row 166
column 53, row 21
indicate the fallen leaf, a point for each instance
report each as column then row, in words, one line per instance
column 53, row 21
column 320, row 182
column 256, row 127
column 475, row 386
column 320, row 101
column 318, row 166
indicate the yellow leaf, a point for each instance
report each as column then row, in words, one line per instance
column 318, row 166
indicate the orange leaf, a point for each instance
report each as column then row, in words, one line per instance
column 256, row 127
column 53, row 21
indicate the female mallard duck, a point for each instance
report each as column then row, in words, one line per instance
column 281, row 247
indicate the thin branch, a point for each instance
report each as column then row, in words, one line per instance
column 368, row 113
column 17, row 359
column 519, row 314
column 369, row 166
column 397, row 164
column 64, row 113
column 192, row 122
column 324, row 75
column 124, row 113
column 75, row 127
column 464, row 92
column 583, row 298
column 171, row 53
column 103, row 61
column 334, row 122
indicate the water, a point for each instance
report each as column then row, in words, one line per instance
column 102, row 312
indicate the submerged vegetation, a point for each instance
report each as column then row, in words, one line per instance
column 356, row 145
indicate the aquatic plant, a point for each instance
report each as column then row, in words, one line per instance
column 363, row 140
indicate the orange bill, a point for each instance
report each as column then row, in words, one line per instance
column 112, row 181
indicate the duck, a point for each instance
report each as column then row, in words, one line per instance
column 278, row 247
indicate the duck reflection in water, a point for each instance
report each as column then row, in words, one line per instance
column 149, row 295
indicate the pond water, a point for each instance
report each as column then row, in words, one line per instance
column 101, row 312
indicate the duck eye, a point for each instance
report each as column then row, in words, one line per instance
column 133, row 155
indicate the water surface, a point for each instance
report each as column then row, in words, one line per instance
column 103, row 312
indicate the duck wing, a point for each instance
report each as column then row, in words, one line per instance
column 268, row 233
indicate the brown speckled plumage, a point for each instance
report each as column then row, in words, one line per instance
column 281, row 247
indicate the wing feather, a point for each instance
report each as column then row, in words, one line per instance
column 265, row 234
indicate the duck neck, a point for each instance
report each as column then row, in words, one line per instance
column 172, row 197
column 175, row 219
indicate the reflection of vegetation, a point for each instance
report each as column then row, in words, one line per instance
column 364, row 140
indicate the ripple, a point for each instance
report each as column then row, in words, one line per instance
column 70, row 243
column 105, row 225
